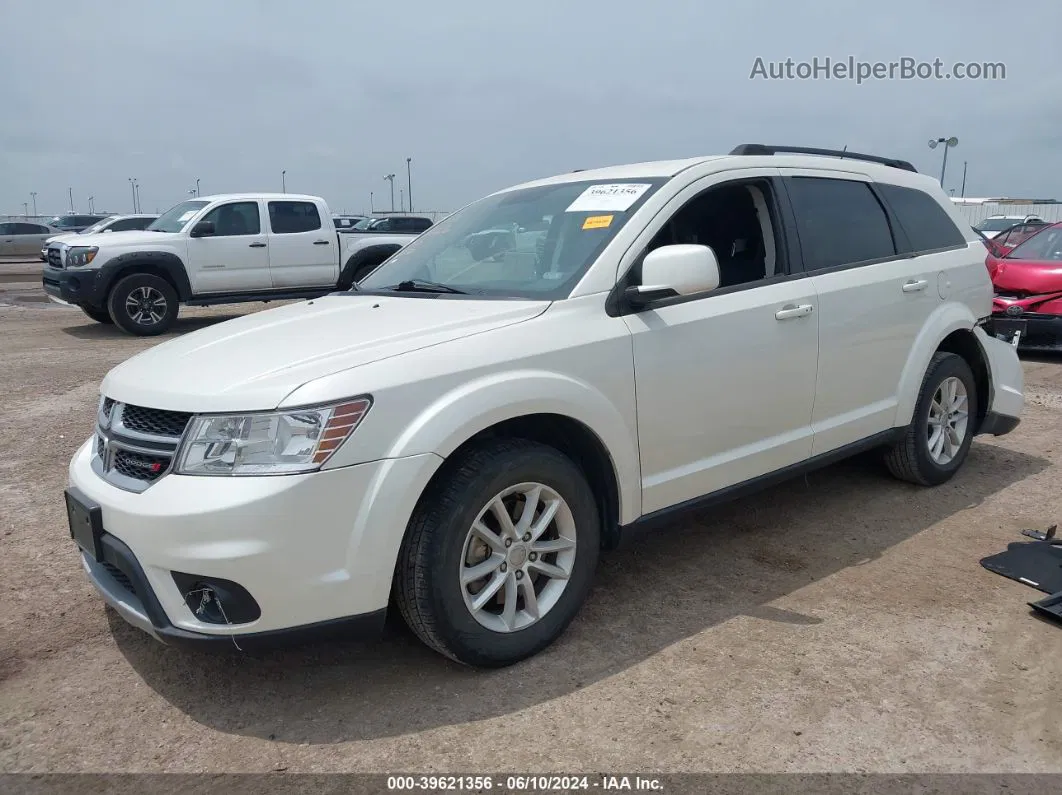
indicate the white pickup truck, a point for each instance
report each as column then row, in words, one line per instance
column 212, row 250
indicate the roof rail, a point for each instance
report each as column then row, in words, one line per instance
column 763, row 149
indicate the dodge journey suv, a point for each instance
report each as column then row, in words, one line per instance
column 460, row 434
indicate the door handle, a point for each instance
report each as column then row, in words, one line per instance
column 914, row 286
column 321, row 242
column 258, row 245
column 789, row 311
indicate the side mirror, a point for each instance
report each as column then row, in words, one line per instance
column 203, row 229
column 669, row 271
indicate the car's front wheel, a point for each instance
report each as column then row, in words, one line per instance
column 499, row 554
column 143, row 304
column 937, row 441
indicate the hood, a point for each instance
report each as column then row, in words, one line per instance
column 1028, row 276
column 65, row 237
column 133, row 237
column 253, row 362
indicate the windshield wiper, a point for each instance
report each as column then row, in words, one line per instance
column 421, row 286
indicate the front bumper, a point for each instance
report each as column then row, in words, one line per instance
column 80, row 286
column 1038, row 332
column 316, row 552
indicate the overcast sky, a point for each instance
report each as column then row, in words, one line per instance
column 485, row 94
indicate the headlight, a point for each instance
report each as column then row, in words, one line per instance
column 82, row 255
column 274, row 443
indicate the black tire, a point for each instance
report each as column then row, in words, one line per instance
column 154, row 289
column 99, row 315
column 427, row 587
column 910, row 459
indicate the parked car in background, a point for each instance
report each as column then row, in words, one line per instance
column 1027, row 308
column 460, row 437
column 1005, row 241
column 402, row 224
column 23, row 238
column 112, row 223
column 74, row 222
column 212, row 250
column 345, row 223
column 994, row 224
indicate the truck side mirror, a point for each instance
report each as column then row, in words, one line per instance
column 203, row 229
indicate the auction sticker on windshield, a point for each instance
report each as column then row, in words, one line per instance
column 605, row 198
column 185, row 216
column 597, row 222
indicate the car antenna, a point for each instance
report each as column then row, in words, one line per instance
column 843, row 151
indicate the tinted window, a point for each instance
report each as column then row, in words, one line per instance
column 7, row 229
column 126, row 224
column 28, row 229
column 926, row 223
column 286, row 218
column 420, row 224
column 238, row 218
column 1045, row 245
column 840, row 222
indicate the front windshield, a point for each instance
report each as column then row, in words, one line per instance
column 98, row 227
column 528, row 243
column 1044, row 245
column 997, row 224
column 176, row 218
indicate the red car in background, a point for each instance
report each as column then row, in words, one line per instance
column 1027, row 307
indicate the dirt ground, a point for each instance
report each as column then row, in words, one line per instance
column 836, row 623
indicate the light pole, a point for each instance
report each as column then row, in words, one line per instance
column 283, row 181
column 948, row 143
column 401, row 200
column 197, row 194
column 962, row 193
column 92, row 207
column 391, row 178
column 372, row 209
column 409, row 182
column 71, row 192
column 33, row 193
column 191, row 191
column 132, row 189
column 25, row 210
column 136, row 195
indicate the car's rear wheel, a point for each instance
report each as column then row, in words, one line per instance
column 143, row 304
column 937, row 441
column 99, row 315
column 499, row 554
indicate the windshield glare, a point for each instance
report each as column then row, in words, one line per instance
column 527, row 243
column 98, row 227
column 1044, row 245
column 998, row 224
column 176, row 218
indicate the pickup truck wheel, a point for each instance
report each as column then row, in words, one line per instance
column 143, row 304
column 99, row 315
column 937, row 441
column 499, row 554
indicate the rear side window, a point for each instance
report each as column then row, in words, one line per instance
column 29, row 229
column 840, row 222
column 927, row 225
column 286, row 218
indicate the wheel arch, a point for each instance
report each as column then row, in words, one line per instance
column 951, row 325
column 550, row 408
column 374, row 255
column 163, row 264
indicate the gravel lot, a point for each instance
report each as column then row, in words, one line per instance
column 838, row 622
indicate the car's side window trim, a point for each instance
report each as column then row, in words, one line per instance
column 615, row 306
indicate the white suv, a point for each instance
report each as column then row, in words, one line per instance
column 461, row 433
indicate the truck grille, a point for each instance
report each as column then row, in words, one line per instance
column 135, row 445
column 55, row 257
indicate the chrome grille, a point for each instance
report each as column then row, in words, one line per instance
column 135, row 445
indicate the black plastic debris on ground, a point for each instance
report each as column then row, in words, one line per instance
column 1037, row 564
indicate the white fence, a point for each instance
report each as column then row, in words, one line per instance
column 978, row 212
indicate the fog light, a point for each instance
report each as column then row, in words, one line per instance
column 217, row 601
